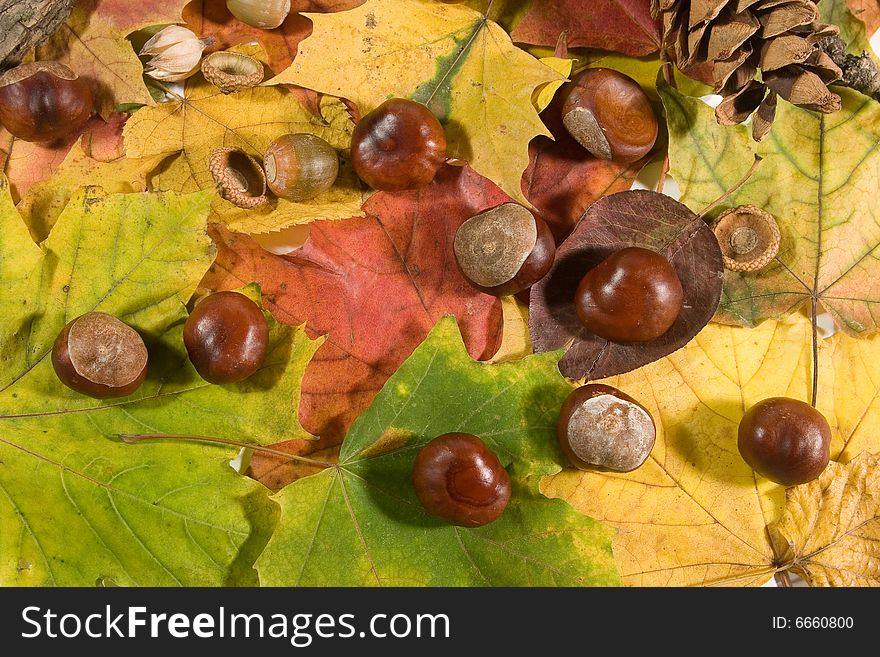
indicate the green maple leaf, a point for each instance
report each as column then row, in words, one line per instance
column 76, row 506
column 360, row 523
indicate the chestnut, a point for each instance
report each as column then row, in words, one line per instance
column 399, row 145
column 608, row 114
column 300, row 166
column 504, row 250
column 785, row 440
column 43, row 102
column 226, row 336
column 633, row 295
column 602, row 428
column 101, row 356
column 457, row 478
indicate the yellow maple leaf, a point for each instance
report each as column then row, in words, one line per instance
column 830, row 527
column 203, row 119
column 695, row 512
column 42, row 204
column 92, row 41
column 449, row 57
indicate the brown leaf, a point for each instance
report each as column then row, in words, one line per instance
column 212, row 18
column 276, row 472
column 620, row 25
column 636, row 218
column 830, row 528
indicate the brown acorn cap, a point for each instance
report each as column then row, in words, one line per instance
column 232, row 71
column 748, row 236
column 492, row 246
column 240, row 178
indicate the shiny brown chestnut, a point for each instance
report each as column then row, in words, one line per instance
column 608, row 114
column 300, row 166
column 226, row 337
column 504, row 250
column 399, row 145
column 634, row 295
column 101, row 356
column 785, row 440
column 457, row 478
column 44, row 102
column 602, row 428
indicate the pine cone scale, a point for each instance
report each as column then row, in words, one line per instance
column 744, row 38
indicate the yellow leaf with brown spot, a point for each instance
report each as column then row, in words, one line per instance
column 92, row 41
column 44, row 202
column 193, row 125
column 830, row 529
column 695, row 513
column 449, row 57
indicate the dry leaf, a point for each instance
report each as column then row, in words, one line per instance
column 868, row 11
column 447, row 56
column 93, row 43
column 620, row 25
column 203, row 119
column 830, row 529
column 696, row 513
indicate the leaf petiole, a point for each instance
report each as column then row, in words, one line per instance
column 131, row 439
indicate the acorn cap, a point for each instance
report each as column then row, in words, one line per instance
column 232, row 71
column 748, row 236
column 239, row 177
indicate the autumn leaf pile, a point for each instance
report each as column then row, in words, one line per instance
column 378, row 343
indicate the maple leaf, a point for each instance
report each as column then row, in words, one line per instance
column 93, row 43
column 817, row 178
column 829, row 527
column 360, row 523
column 449, row 57
column 695, row 512
column 624, row 26
column 165, row 514
column 193, row 125
column 212, row 18
column 375, row 286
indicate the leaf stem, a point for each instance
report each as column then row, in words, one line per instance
column 669, row 76
column 782, row 579
column 733, row 190
column 814, row 395
column 130, row 438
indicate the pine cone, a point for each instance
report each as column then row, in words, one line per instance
column 742, row 37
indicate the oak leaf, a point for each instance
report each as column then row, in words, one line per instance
column 624, row 26
column 818, row 178
column 829, row 528
column 449, row 57
column 375, row 286
column 359, row 523
column 695, row 513
column 154, row 514
column 192, row 125
column 93, row 43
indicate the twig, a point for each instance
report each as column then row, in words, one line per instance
column 726, row 195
